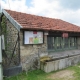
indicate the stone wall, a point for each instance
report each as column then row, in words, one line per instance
column 10, row 42
column 29, row 52
column 12, row 34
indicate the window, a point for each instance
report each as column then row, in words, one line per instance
column 54, row 43
column 51, row 43
column 59, row 43
column 66, row 43
column 72, row 42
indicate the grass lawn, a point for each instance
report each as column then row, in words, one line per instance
column 71, row 73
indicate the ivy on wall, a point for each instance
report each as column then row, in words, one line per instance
column 11, row 53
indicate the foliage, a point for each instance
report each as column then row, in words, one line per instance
column 5, row 32
column 9, row 44
column 3, row 28
column 3, row 24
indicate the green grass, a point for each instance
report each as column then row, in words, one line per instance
column 77, row 71
column 40, row 75
column 32, row 75
column 21, row 76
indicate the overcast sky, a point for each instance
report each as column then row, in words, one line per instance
column 68, row 10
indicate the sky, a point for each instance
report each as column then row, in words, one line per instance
column 67, row 10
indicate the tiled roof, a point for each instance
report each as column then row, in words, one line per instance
column 28, row 21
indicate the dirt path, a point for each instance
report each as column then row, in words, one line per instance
column 62, row 75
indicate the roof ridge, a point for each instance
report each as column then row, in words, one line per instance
column 30, row 14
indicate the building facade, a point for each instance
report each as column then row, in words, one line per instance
column 36, row 33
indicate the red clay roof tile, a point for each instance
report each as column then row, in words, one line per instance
column 28, row 21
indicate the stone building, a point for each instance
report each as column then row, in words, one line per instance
column 59, row 38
